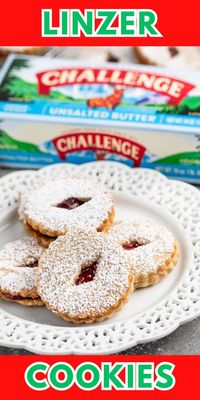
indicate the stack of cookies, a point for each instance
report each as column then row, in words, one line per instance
column 78, row 262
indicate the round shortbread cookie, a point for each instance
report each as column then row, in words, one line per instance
column 45, row 240
column 44, row 176
column 73, row 202
column 18, row 265
column 150, row 247
column 84, row 276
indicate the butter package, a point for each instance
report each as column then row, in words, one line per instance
column 56, row 110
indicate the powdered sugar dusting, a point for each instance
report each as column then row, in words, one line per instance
column 60, row 266
column 51, row 175
column 156, row 240
column 40, row 206
column 14, row 276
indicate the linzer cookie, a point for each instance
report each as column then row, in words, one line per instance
column 173, row 56
column 56, row 207
column 18, row 265
column 50, row 175
column 151, row 249
column 84, row 277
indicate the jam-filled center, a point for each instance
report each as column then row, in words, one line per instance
column 13, row 297
column 87, row 274
column 71, row 203
column 132, row 245
column 34, row 264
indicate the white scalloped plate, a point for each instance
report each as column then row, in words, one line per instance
column 151, row 313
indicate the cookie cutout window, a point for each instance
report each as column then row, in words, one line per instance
column 87, row 274
column 33, row 264
column 132, row 245
column 71, row 203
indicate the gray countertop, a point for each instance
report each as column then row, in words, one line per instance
column 185, row 340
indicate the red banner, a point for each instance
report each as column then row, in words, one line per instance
column 175, row 89
column 95, row 377
column 21, row 23
column 66, row 144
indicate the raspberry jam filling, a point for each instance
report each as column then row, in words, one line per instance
column 11, row 297
column 132, row 245
column 71, row 203
column 32, row 265
column 87, row 274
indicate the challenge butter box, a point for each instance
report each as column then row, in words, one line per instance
column 55, row 110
